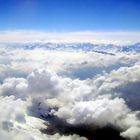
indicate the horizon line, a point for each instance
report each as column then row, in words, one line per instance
column 97, row 37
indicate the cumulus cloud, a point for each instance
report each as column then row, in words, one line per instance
column 14, row 86
column 44, row 81
column 68, row 95
column 123, row 83
column 100, row 113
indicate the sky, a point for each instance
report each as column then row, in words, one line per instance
column 70, row 15
column 103, row 21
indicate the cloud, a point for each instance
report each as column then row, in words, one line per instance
column 123, row 83
column 14, row 86
column 95, row 113
column 86, row 36
column 68, row 95
column 44, row 81
column 88, row 67
column 133, row 133
column 86, row 107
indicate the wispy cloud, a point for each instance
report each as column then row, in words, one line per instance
column 116, row 37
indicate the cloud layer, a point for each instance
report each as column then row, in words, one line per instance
column 84, row 36
column 83, row 93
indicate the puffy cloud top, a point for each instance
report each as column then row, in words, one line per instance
column 79, row 89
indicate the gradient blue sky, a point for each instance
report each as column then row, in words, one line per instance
column 70, row 15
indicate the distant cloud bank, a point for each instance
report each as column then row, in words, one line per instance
column 114, row 37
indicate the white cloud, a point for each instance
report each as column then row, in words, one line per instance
column 96, row 113
column 50, row 86
column 116, row 37
column 14, row 86
column 44, row 81
column 132, row 133
column 71, row 137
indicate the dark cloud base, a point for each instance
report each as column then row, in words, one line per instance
column 57, row 125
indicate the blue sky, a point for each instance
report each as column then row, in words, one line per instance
column 70, row 15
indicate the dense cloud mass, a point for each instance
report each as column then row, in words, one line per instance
column 69, row 94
